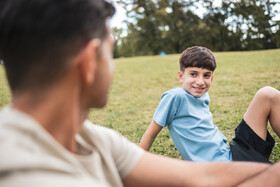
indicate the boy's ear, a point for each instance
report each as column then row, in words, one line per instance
column 212, row 77
column 87, row 60
column 180, row 76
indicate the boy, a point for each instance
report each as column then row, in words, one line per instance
column 186, row 114
column 57, row 56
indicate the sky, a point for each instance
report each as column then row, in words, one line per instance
column 120, row 15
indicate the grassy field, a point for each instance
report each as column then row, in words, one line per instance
column 140, row 81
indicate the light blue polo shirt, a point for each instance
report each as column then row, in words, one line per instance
column 190, row 124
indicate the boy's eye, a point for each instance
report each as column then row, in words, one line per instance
column 207, row 76
column 193, row 74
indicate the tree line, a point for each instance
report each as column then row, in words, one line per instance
column 171, row 26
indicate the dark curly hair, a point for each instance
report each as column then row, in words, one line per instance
column 197, row 56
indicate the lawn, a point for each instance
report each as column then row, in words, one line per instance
column 139, row 82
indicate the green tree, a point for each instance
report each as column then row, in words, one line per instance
column 117, row 37
column 173, row 25
column 162, row 26
column 145, row 30
column 255, row 16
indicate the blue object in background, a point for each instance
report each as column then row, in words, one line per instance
column 162, row 53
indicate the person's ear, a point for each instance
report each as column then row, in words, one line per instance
column 180, row 76
column 212, row 77
column 87, row 60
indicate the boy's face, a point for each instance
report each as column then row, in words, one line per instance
column 196, row 81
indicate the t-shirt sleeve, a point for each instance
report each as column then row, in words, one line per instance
column 117, row 150
column 126, row 155
column 166, row 109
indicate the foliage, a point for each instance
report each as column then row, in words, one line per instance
column 173, row 25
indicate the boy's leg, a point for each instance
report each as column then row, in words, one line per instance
column 265, row 106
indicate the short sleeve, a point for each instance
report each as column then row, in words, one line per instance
column 127, row 155
column 117, row 151
column 166, row 109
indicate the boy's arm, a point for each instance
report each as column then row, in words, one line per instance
column 150, row 135
column 156, row 170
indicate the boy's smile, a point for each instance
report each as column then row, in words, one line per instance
column 196, row 81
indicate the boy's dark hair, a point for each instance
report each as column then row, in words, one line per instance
column 197, row 56
column 38, row 37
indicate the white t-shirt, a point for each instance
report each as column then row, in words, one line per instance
column 30, row 156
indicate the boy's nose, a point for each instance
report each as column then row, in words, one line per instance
column 199, row 81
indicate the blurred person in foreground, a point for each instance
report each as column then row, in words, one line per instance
column 57, row 56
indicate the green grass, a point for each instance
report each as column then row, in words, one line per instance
column 140, row 81
column 5, row 94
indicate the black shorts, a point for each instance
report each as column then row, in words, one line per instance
column 248, row 146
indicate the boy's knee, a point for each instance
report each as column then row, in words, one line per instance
column 268, row 93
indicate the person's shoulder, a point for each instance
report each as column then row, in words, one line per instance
column 7, row 123
column 98, row 130
column 108, row 141
column 174, row 96
column 14, row 121
column 5, row 114
column 99, row 135
column 175, row 92
column 21, row 135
